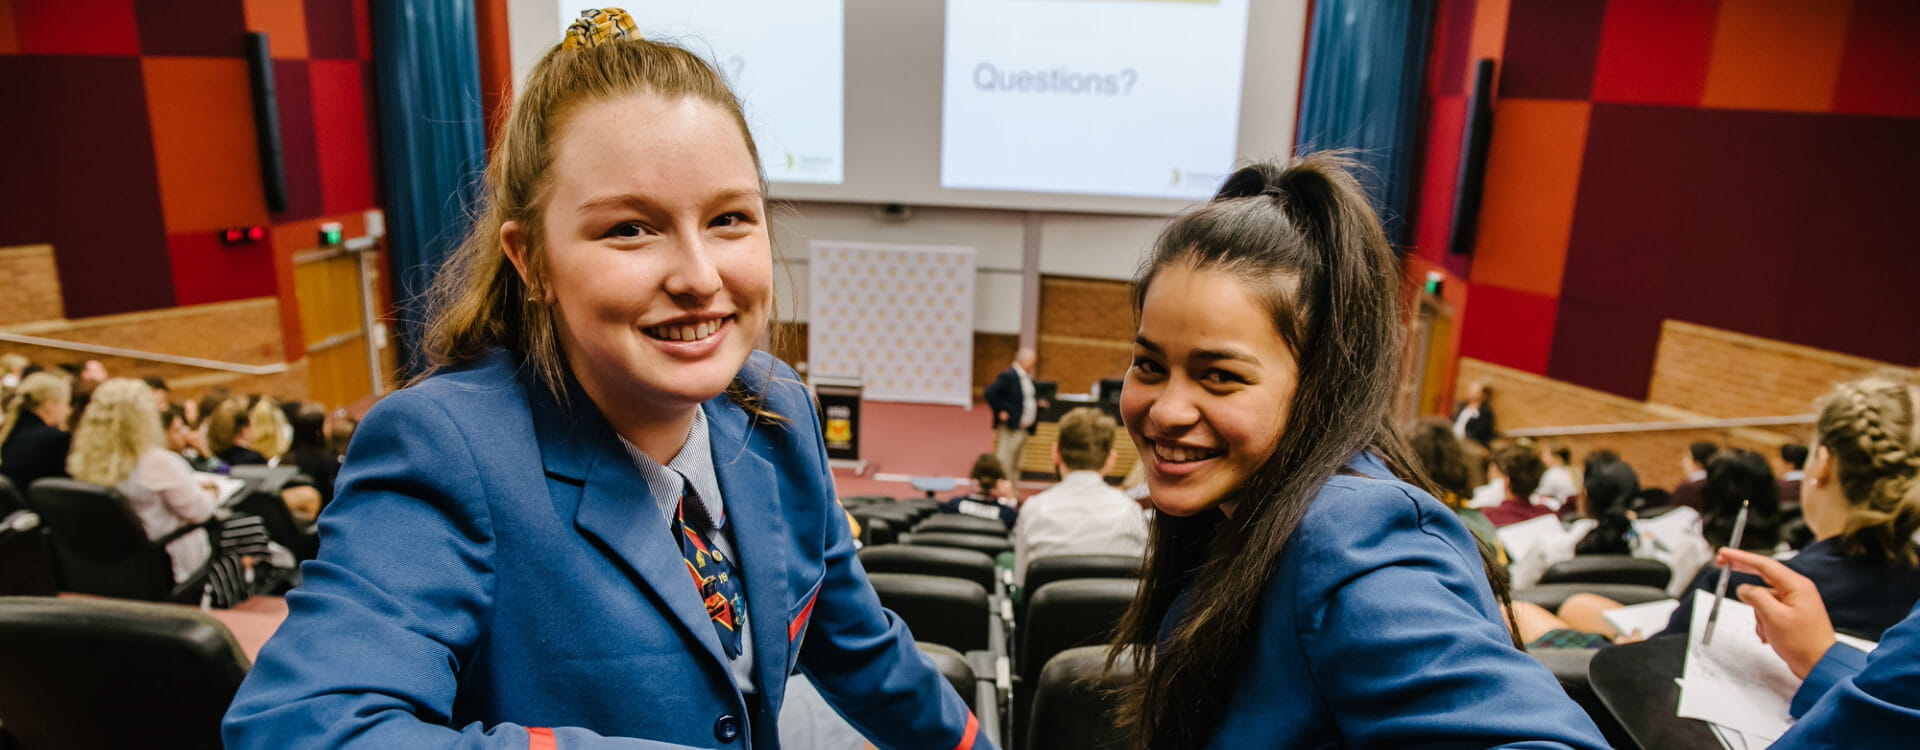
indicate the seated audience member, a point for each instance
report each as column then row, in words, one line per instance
column 34, row 439
column 1693, row 462
column 1518, row 470
column 209, row 403
column 992, row 495
column 1081, row 515
column 341, row 432
column 1793, row 459
column 230, row 434
column 313, row 454
column 1557, row 485
column 160, row 392
column 272, row 436
column 119, row 443
column 1846, row 698
column 1438, row 451
column 1612, row 488
column 1858, row 497
column 185, row 441
column 13, row 367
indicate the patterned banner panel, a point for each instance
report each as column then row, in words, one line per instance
column 899, row 317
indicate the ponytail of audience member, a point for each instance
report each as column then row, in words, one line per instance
column 230, row 434
column 1611, row 490
column 1734, row 476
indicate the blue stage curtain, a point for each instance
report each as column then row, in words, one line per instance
column 1366, row 61
column 433, row 143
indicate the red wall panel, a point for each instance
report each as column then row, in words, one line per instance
column 46, row 27
column 1655, row 51
column 199, row 28
column 1508, row 327
column 204, row 270
column 341, row 135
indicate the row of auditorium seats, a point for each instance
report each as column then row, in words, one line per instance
column 64, row 535
column 1043, row 648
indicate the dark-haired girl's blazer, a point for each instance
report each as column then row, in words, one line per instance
column 1379, row 630
column 493, row 573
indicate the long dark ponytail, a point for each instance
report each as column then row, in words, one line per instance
column 1305, row 237
column 1613, row 490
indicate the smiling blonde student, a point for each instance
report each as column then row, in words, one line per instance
column 1303, row 589
column 606, row 521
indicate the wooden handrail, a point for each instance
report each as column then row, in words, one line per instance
column 1624, row 427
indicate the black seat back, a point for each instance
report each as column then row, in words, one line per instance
column 86, row 673
column 1044, row 570
column 959, row 524
column 26, row 556
column 10, row 498
column 1064, row 615
column 953, row 666
column 877, row 531
column 1609, row 569
column 990, row 545
column 932, row 561
column 100, row 546
column 1552, row 595
column 1073, row 702
column 948, row 611
column 1076, row 612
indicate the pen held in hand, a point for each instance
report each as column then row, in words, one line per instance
column 1720, row 589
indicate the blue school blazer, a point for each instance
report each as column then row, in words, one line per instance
column 1853, row 700
column 494, row 573
column 1378, row 629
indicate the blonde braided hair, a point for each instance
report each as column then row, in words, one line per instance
column 1871, row 426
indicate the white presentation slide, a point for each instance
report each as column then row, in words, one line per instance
column 784, row 58
column 1101, row 97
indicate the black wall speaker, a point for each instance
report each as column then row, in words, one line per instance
column 266, row 121
column 1473, row 160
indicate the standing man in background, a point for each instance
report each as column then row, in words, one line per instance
column 1473, row 420
column 1014, row 410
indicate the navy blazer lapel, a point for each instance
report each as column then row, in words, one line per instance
column 616, row 507
column 751, row 493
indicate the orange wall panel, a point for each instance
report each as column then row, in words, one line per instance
column 285, row 24
column 1777, row 54
column 204, row 143
column 1533, row 178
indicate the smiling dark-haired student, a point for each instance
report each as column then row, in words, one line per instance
column 1304, row 589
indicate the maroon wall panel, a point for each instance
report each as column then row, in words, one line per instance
column 1855, row 283
column 1655, row 51
column 1550, row 49
column 331, row 31
column 80, row 175
column 1880, row 72
column 197, row 28
column 1508, row 327
column 1605, row 347
column 294, row 93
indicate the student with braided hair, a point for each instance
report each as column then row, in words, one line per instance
column 1861, row 498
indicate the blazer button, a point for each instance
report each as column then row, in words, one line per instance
column 726, row 728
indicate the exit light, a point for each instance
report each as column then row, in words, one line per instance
column 330, row 234
column 242, row 235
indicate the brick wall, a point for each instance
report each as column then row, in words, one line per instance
column 1523, row 400
column 243, row 331
column 1727, row 374
column 1086, row 331
column 32, row 288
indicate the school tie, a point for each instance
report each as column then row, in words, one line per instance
column 713, row 574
